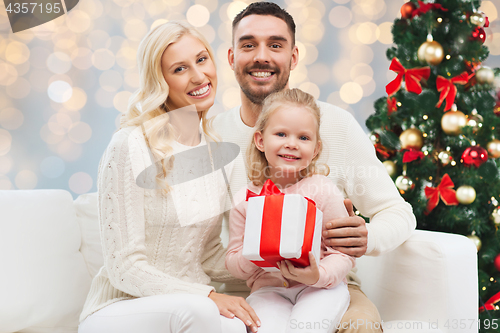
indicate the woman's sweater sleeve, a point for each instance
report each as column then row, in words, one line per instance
column 122, row 222
column 235, row 263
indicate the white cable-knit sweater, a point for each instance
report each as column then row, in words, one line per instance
column 354, row 168
column 155, row 243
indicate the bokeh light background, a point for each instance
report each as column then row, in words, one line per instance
column 64, row 84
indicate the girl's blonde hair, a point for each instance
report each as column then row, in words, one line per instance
column 149, row 101
column 258, row 167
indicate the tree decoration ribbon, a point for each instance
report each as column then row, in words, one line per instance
column 412, row 155
column 448, row 89
column 490, row 304
column 444, row 191
column 412, row 78
column 425, row 7
column 392, row 105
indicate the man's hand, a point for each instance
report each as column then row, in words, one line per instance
column 347, row 234
column 307, row 275
column 231, row 306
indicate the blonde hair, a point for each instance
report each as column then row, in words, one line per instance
column 149, row 101
column 256, row 160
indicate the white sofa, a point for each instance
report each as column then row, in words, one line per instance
column 50, row 250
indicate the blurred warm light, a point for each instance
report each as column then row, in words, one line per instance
column 211, row 5
column 60, row 123
column 341, row 70
column 59, row 63
column 23, row 68
column 5, row 183
column 11, row 119
column 110, row 80
column 6, row 164
column 489, row 8
column 319, row 73
column 8, row 74
column 367, row 33
column 93, row 8
column 81, row 58
column 52, row 167
column 198, row 15
column 126, row 57
column 311, row 54
column 231, row 98
column 120, row 101
column 17, row 53
column 298, row 75
column 80, row 132
column 104, row 98
column 299, row 12
column 5, row 142
column 208, row 32
column 77, row 101
column 341, row 2
column 68, row 150
column 78, row 21
column 103, row 59
column 351, row 92
column 26, row 180
column 361, row 73
column 371, row 9
column 98, row 39
column 134, row 11
column 50, row 137
column 80, row 182
column 19, row 89
column 340, row 17
column 310, row 88
column 225, row 31
column 493, row 43
column 235, row 8
column 385, row 36
column 38, row 79
column 135, row 29
column 39, row 56
column 368, row 88
column 131, row 78
column 157, row 23
column 60, row 91
column 334, row 98
column 312, row 32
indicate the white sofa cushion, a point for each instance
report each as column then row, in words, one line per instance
column 44, row 280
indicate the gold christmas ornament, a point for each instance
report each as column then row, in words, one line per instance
column 404, row 184
column 485, row 75
column 430, row 52
column 476, row 241
column 411, row 138
column 477, row 19
column 495, row 216
column 493, row 148
column 391, row 167
column 452, row 122
column 466, row 194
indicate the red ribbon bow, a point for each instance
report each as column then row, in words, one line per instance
column 412, row 78
column 448, row 89
column 489, row 305
column 444, row 191
column 425, row 7
column 268, row 188
column 392, row 105
column 412, row 155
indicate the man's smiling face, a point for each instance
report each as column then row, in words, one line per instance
column 262, row 56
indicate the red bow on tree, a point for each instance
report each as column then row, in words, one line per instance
column 412, row 155
column 444, row 191
column 392, row 105
column 412, row 78
column 490, row 304
column 425, row 7
column 448, row 89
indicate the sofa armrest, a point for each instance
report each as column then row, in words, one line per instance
column 432, row 277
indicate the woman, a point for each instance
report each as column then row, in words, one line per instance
column 161, row 253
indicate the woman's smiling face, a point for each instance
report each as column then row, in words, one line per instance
column 190, row 74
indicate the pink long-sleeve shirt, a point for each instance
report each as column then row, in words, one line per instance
column 333, row 266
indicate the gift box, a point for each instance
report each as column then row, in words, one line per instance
column 281, row 226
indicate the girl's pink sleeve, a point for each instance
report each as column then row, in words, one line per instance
column 235, row 263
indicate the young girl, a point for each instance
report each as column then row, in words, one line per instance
column 284, row 148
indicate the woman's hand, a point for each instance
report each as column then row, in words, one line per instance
column 231, row 306
column 308, row 275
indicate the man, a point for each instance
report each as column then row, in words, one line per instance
column 262, row 55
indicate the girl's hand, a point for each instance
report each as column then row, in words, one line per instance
column 231, row 306
column 308, row 275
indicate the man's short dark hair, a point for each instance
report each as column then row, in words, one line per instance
column 267, row 8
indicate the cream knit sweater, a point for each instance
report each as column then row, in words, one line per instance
column 155, row 243
column 354, row 168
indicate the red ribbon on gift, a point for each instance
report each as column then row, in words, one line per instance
column 425, row 7
column 392, row 105
column 412, row 78
column 489, row 305
column 412, row 155
column 444, row 191
column 271, row 223
column 448, row 89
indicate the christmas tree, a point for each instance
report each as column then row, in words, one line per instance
column 438, row 130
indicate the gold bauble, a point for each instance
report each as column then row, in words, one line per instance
column 391, row 167
column 411, row 138
column 445, row 157
column 495, row 216
column 431, row 52
column 476, row 241
column 452, row 122
column 477, row 19
column 485, row 75
column 404, row 184
column 493, row 148
column 466, row 194
column 475, row 121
